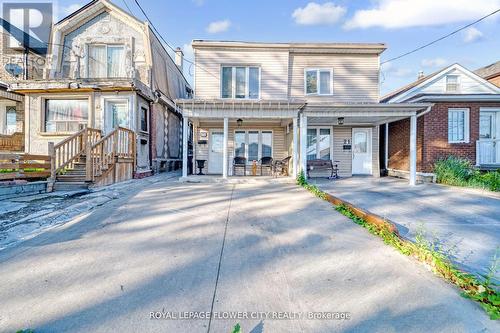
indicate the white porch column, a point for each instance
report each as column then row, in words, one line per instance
column 185, row 133
column 224, row 148
column 303, row 144
column 295, row 152
column 413, row 150
column 386, row 148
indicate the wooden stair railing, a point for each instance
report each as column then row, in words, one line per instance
column 102, row 155
column 65, row 153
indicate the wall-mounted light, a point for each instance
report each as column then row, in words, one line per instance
column 239, row 122
column 340, row 121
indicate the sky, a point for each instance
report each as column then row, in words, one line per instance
column 402, row 24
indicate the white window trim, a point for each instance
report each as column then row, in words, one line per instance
column 318, row 82
column 459, row 84
column 233, row 82
column 466, row 112
column 259, row 153
column 318, row 128
column 87, row 63
column 118, row 98
column 43, row 108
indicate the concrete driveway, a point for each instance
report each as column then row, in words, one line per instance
column 267, row 250
column 465, row 221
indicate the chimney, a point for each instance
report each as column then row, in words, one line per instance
column 179, row 57
column 420, row 74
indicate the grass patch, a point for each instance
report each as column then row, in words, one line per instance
column 460, row 172
column 478, row 288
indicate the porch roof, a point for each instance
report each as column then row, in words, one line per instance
column 220, row 108
column 366, row 113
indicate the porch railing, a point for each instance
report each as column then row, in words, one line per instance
column 65, row 153
column 487, row 151
column 103, row 155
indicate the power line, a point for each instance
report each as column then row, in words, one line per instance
column 441, row 38
column 164, row 41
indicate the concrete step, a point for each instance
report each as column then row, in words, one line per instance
column 70, row 186
column 70, row 178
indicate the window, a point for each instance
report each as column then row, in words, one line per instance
column 318, row 82
column 240, row 82
column 106, row 61
column 65, row 115
column 318, row 143
column 452, row 83
column 144, row 119
column 10, row 119
column 458, row 125
column 253, row 144
column 119, row 113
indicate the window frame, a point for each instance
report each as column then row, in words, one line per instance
column 106, row 45
column 141, row 107
column 459, row 84
column 259, row 153
column 466, row 129
column 233, row 81
column 318, row 131
column 318, row 80
column 10, row 108
column 43, row 109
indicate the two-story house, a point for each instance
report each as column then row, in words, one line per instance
column 106, row 69
column 305, row 101
column 464, row 121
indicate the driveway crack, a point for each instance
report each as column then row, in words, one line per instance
column 220, row 258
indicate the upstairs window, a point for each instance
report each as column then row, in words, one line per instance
column 318, row 82
column 106, row 61
column 452, row 83
column 240, row 82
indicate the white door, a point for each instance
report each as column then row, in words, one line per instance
column 215, row 152
column 361, row 151
column 117, row 114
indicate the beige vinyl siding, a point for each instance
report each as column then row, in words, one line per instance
column 375, row 152
column 339, row 154
column 279, row 140
column 355, row 77
column 273, row 64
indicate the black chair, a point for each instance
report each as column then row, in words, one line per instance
column 266, row 162
column 240, row 162
column 281, row 167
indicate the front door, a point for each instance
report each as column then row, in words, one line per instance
column 489, row 135
column 215, row 152
column 117, row 114
column 362, row 151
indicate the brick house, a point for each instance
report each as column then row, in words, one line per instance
column 464, row 121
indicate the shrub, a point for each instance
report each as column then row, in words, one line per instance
column 460, row 172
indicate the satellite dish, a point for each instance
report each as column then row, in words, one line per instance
column 13, row 69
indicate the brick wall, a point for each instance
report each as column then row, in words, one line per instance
column 432, row 139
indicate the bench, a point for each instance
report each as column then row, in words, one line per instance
column 320, row 165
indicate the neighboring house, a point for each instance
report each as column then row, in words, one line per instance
column 11, row 120
column 490, row 73
column 249, row 96
column 107, row 69
column 464, row 121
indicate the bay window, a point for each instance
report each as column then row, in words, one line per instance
column 458, row 125
column 253, row 144
column 106, row 61
column 318, row 81
column 318, row 143
column 240, row 82
column 65, row 115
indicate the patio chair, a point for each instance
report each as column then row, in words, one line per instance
column 240, row 162
column 281, row 167
column 266, row 163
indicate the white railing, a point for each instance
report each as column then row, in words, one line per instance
column 487, row 151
